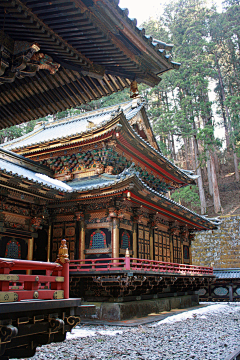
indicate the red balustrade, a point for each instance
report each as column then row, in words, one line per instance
column 16, row 286
column 127, row 263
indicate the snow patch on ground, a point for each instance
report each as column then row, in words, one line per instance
column 200, row 313
column 79, row 333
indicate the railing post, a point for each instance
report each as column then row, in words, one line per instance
column 127, row 260
column 63, row 259
column 135, row 245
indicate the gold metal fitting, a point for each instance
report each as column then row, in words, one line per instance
column 127, row 254
column 35, row 295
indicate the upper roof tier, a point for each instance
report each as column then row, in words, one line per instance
column 124, row 128
column 59, row 55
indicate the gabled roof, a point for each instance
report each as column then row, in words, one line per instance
column 74, row 130
column 99, row 50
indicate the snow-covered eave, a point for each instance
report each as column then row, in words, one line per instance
column 56, row 184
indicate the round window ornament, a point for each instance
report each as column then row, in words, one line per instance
column 220, row 291
column 201, row 292
column 238, row 291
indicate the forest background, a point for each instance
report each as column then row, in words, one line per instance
column 184, row 120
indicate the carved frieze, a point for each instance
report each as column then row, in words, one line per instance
column 14, row 209
column 95, row 161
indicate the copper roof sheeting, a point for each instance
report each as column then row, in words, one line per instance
column 99, row 48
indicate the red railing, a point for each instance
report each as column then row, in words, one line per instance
column 127, row 263
column 15, row 286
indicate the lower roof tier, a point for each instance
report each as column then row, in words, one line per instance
column 20, row 175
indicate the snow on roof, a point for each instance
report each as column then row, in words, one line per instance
column 17, row 170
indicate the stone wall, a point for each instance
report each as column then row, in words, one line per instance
column 219, row 248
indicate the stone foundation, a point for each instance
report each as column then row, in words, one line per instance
column 135, row 309
column 218, row 248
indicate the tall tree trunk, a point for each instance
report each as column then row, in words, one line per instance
column 199, row 173
column 235, row 163
column 216, row 197
column 185, row 140
column 216, row 160
column 226, row 122
column 209, row 172
column 173, row 147
column 192, row 154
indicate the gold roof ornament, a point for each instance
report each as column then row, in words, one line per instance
column 134, row 89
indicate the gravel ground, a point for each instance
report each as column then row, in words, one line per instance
column 209, row 333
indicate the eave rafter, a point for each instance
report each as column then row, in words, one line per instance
column 166, row 210
column 16, row 183
column 43, row 33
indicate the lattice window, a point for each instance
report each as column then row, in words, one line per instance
column 125, row 240
column 143, row 242
column 98, row 240
column 162, row 246
column 177, row 253
column 186, row 252
column 13, row 250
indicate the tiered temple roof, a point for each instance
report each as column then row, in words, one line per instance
column 102, row 153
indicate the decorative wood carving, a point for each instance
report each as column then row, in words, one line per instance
column 20, row 58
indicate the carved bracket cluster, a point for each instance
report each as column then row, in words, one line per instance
column 21, row 58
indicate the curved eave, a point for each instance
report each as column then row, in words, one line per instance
column 29, row 182
column 146, row 44
column 129, row 137
column 138, row 192
column 38, row 189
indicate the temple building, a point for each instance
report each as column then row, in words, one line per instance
column 104, row 188
column 97, row 179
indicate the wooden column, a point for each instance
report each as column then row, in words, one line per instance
column 49, row 242
column 80, row 218
column 191, row 238
column 171, row 247
column 30, row 252
column 190, row 253
column 182, row 255
column 151, row 243
column 115, row 238
column 82, row 239
column 135, row 249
